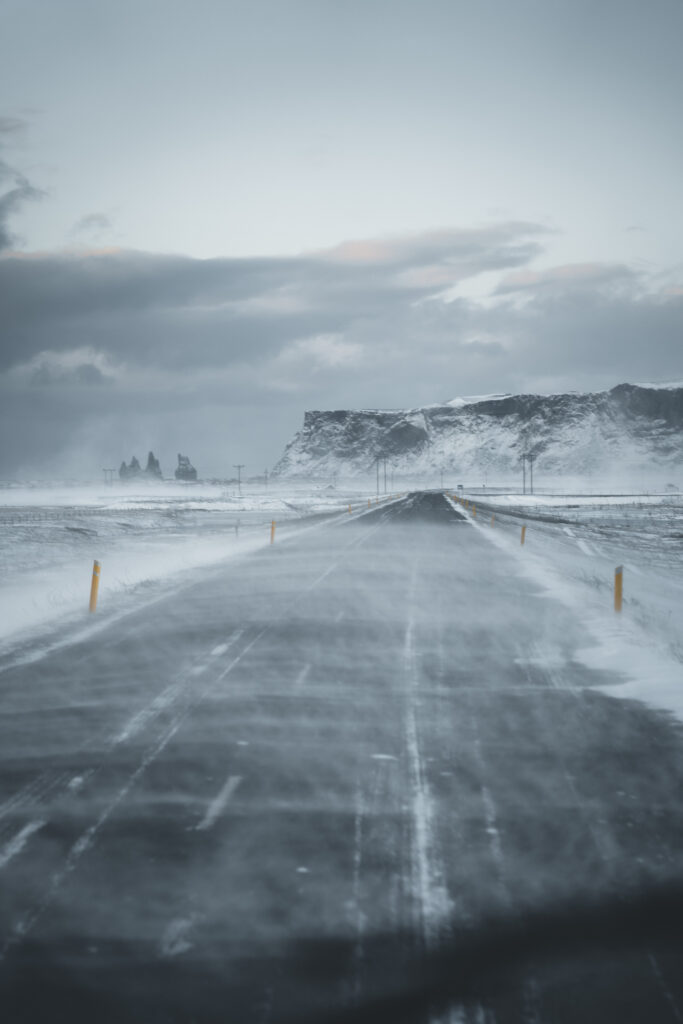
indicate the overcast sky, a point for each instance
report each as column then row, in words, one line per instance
column 215, row 215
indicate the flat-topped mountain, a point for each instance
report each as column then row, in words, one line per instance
column 632, row 427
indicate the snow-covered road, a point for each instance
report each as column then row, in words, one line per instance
column 285, row 791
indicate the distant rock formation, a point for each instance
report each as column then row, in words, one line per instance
column 128, row 472
column 134, row 469
column 153, row 467
column 185, row 470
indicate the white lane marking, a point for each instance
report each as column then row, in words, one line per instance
column 217, row 651
column 85, row 841
column 138, row 722
column 18, row 842
column 79, row 781
column 218, row 803
column 33, row 792
column 174, row 940
column 434, row 904
column 168, row 696
column 302, row 677
column 383, row 757
column 359, row 916
column 491, row 819
column 668, row 994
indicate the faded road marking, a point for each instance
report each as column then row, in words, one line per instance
column 174, row 940
column 218, row 803
column 18, row 842
column 302, row 677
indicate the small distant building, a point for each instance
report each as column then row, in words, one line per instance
column 185, row 469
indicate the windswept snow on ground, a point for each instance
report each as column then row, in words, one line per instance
column 145, row 536
column 573, row 546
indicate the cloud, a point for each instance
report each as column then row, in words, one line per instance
column 93, row 225
column 21, row 190
column 182, row 311
column 568, row 276
column 204, row 354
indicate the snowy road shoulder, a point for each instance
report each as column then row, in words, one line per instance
column 644, row 669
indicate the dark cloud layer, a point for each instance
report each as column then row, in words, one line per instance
column 108, row 351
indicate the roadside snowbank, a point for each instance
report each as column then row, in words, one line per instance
column 575, row 564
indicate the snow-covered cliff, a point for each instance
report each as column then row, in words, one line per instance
column 631, row 428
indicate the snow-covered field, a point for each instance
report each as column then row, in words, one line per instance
column 151, row 538
column 573, row 545
column 146, row 536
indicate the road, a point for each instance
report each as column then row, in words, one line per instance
column 356, row 776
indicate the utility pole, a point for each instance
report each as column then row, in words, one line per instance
column 524, row 473
column 265, row 474
column 531, row 474
column 377, row 458
column 239, row 467
column 385, row 474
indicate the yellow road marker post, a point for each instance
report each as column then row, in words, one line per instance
column 474, row 511
column 272, row 531
column 493, row 518
column 618, row 587
column 523, row 534
column 349, row 510
column 95, row 585
column 369, row 503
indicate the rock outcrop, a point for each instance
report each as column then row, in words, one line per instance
column 134, row 470
column 631, row 428
column 185, row 470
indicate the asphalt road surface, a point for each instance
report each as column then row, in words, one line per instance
column 357, row 776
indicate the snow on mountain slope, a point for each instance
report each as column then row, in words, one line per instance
column 629, row 429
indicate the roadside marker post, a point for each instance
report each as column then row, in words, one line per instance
column 618, row 587
column 349, row 510
column 95, row 585
column 493, row 518
column 523, row 535
column 272, row 531
column 474, row 511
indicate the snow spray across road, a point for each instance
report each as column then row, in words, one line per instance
column 359, row 776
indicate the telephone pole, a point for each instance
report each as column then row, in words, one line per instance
column 239, row 467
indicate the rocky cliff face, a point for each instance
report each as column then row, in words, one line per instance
column 631, row 427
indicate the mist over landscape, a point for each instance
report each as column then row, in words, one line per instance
column 341, row 512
